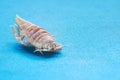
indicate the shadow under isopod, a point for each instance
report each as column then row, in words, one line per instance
column 30, row 50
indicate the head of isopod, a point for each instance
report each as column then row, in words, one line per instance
column 51, row 46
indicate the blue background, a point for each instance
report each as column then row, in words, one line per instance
column 90, row 30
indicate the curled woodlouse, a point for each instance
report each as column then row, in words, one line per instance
column 36, row 36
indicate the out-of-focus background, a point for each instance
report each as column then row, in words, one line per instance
column 90, row 30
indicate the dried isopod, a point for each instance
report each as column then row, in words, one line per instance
column 36, row 36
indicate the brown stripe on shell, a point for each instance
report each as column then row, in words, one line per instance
column 30, row 31
column 41, row 33
column 36, row 34
column 39, row 39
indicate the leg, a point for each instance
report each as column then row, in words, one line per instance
column 39, row 50
column 19, row 37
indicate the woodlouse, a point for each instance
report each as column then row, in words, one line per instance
column 36, row 36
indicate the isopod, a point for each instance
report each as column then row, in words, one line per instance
column 35, row 35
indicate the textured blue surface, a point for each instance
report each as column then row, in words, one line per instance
column 89, row 28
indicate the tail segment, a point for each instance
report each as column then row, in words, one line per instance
column 22, row 23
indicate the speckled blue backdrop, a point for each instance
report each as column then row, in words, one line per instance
column 90, row 30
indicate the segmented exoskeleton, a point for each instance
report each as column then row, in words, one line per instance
column 35, row 36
